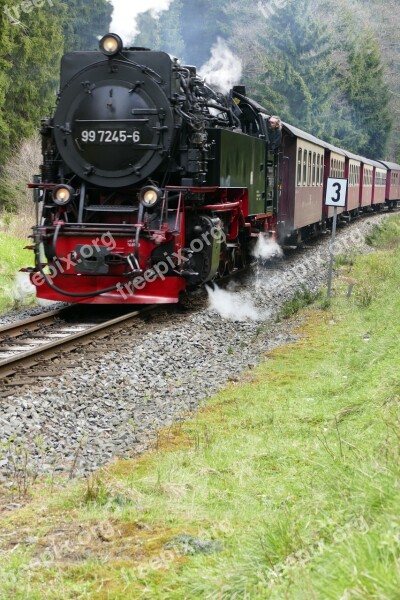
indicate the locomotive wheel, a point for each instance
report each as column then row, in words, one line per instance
column 241, row 258
column 222, row 267
column 231, row 262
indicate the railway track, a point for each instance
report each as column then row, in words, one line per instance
column 25, row 343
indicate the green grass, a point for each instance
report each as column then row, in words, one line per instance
column 285, row 486
column 301, row 299
column 13, row 258
column 385, row 235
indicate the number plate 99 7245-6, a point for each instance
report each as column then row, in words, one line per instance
column 109, row 136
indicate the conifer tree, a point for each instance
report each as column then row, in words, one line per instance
column 149, row 31
column 85, row 22
column 367, row 93
column 33, row 50
column 297, row 76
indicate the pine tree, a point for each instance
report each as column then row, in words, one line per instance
column 296, row 79
column 367, row 93
column 34, row 48
column 187, row 29
column 149, row 31
column 85, row 22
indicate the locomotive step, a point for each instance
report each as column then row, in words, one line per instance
column 111, row 208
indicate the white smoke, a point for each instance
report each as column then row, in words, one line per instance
column 232, row 306
column 223, row 70
column 125, row 12
column 266, row 248
column 22, row 286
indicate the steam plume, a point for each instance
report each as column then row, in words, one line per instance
column 267, row 248
column 232, row 306
column 224, row 69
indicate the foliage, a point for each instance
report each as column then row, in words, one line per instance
column 187, row 29
column 300, row 72
column 305, row 60
column 300, row 300
column 163, row 32
column 31, row 45
column 368, row 96
column 14, row 289
column 386, row 234
column 17, row 172
column 84, row 23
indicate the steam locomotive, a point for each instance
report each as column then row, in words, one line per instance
column 152, row 182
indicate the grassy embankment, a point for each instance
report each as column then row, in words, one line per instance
column 285, row 486
column 13, row 257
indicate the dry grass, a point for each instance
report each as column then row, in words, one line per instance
column 16, row 204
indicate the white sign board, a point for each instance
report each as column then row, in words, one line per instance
column 336, row 192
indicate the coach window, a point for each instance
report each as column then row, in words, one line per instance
column 309, row 169
column 318, row 157
column 314, row 165
column 321, row 172
column 299, row 157
column 305, row 167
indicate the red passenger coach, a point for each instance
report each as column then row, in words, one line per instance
column 353, row 173
column 392, row 190
column 379, row 188
column 335, row 160
column 301, row 207
column 367, row 184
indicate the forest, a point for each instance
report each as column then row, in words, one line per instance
column 332, row 69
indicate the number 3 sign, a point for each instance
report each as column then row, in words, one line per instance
column 336, row 192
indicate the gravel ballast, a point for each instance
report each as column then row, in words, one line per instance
column 112, row 403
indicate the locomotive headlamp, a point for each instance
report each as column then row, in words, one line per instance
column 110, row 44
column 150, row 196
column 62, row 194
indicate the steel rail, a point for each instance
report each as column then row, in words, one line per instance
column 30, row 324
column 10, row 365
